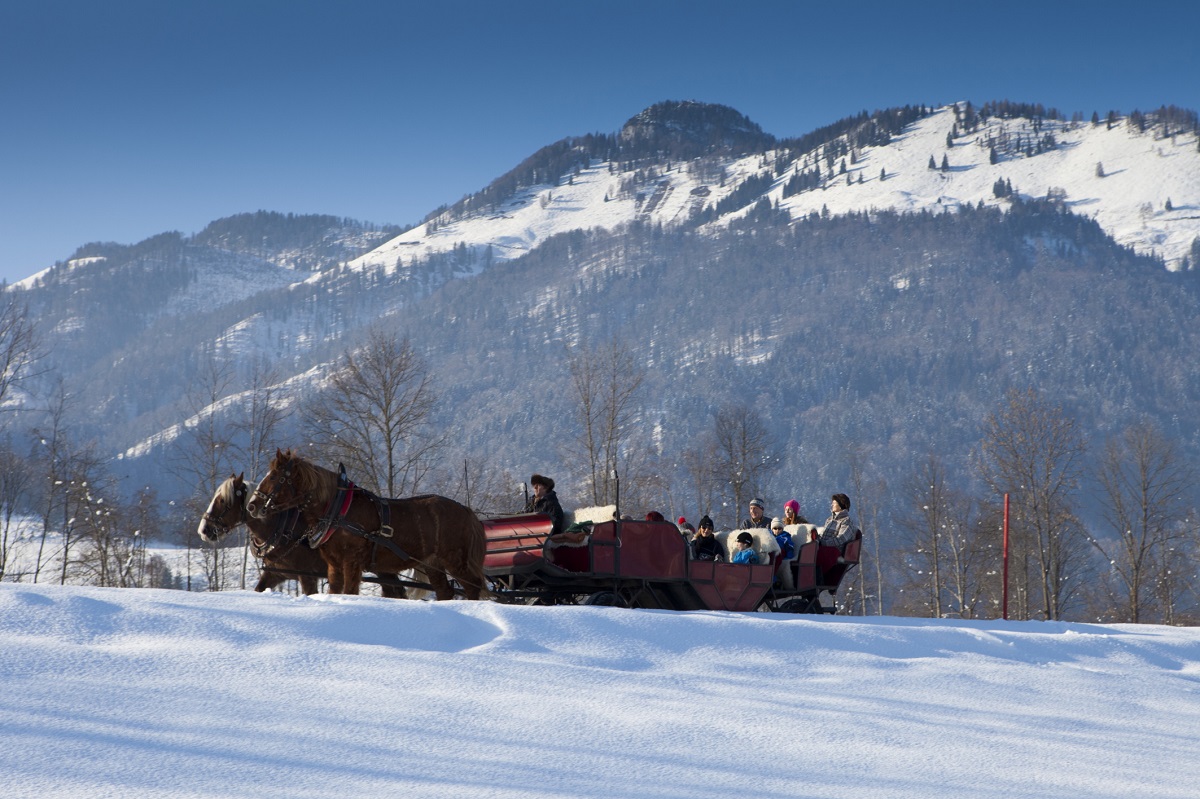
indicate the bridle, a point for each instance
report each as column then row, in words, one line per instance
column 282, row 536
column 268, row 499
column 223, row 529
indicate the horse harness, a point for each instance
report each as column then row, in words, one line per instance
column 284, row 533
column 334, row 518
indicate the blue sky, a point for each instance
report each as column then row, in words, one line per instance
column 123, row 119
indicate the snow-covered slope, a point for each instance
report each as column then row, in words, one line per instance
column 168, row 694
column 1121, row 177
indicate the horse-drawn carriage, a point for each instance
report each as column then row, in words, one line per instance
column 298, row 508
column 648, row 564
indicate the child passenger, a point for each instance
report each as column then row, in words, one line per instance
column 745, row 549
column 787, row 551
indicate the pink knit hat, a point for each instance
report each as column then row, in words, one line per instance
column 794, row 505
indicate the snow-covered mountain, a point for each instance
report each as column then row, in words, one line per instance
column 717, row 251
column 1141, row 183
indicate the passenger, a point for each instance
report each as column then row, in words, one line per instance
column 706, row 546
column 837, row 533
column 838, row 529
column 655, row 516
column 546, row 501
column 756, row 516
column 787, row 551
column 791, row 513
column 745, row 549
column 686, row 529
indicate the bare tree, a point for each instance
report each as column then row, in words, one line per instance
column 16, row 479
column 867, row 587
column 374, row 416
column 1143, row 493
column 606, row 382
column 947, row 551
column 82, row 476
column 262, row 412
column 19, row 347
column 98, row 523
column 1033, row 451
column 745, row 452
column 477, row 483
column 62, row 463
column 699, row 462
column 204, row 457
column 1178, row 594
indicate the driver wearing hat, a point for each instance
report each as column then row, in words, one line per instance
column 545, row 501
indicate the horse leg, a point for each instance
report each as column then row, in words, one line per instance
column 441, row 586
column 391, row 591
column 334, row 575
column 470, row 588
column 308, row 584
column 268, row 579
column 351, row 577
column 418, row 576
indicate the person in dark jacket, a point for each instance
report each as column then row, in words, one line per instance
column 546, row 501
column 705, row 545
column 756, row 518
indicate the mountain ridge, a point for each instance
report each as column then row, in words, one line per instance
column 660, row 251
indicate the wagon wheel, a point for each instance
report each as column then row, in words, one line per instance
column 798, row 605
column 606, row 599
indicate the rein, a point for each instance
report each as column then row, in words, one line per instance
column 282, row 536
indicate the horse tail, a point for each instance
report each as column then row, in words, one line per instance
column 476, row 549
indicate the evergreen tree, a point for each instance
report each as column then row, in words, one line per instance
column 945, row 163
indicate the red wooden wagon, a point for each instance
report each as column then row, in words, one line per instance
column 642, row 564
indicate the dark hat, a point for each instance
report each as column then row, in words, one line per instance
column 655, row 516
column 842, row 500
column 745, row 538
column 758, row 502
column 706, row 522
column 539, row 479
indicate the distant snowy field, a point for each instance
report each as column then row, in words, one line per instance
column 151, row 693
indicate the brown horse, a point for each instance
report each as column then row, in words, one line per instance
column 434, row 534
column 273, row 542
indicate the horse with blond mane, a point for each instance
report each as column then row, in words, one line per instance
column 274, row 540
column 356, row 531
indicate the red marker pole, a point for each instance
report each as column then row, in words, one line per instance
column 1004, row 606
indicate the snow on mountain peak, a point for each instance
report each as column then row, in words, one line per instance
column 1141, row 186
